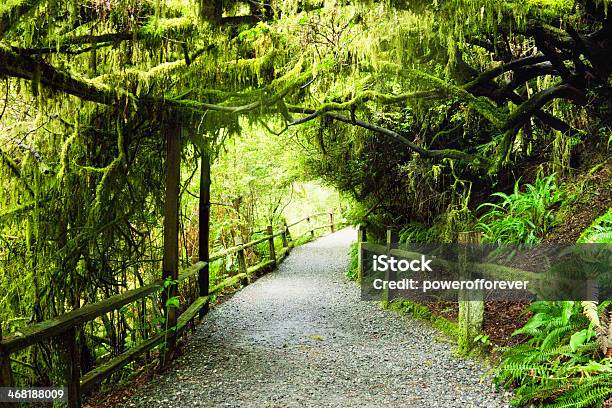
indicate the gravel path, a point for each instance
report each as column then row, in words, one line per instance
column 300, row 336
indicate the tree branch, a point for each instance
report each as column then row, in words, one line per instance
column 537, row 101
column 434, row 154
column 368, row 96
column 503, row 68
column 66, row 44
column 12, row 64
column 8, row 19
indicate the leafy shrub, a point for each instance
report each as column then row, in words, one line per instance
column 560, row 365
column 522, row 217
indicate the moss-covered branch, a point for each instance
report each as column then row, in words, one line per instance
column 268, row 98
column 475, row 160
column 12, row 11
column 66, row 45
column 370, row 95
column 537, row 101
column 15, row 65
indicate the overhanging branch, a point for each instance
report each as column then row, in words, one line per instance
column 9, row 18
column 66, row 45
column 434, row 154
column 366, row 96
column 537, row 101
column 14, row 65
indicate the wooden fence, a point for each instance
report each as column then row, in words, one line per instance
column 62, row 330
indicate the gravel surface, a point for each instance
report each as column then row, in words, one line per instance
column 300, row 336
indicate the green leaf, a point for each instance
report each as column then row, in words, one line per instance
column 568, row 310
column 536, row 321
column 579, row 338
column 173, row 302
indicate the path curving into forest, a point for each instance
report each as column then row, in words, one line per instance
column 301, row 336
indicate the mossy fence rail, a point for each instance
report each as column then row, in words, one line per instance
column 62, row 329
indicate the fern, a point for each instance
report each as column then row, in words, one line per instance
column 547, row 369
column 523, row 216
column 588, row 392
column 600, row 230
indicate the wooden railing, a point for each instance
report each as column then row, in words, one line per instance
column 63, row 329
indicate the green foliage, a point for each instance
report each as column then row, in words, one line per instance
column 483, row 339
column 419, row 311
column 415, row 233
column 600, row 230
column 560, row 364
column 522, row 217
column 351, row 272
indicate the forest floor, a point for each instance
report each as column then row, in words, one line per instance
column 301, row 336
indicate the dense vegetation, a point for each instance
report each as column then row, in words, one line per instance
column 430, row 116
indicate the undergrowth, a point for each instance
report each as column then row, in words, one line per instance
column 522, row 217
column 600, row 230
column 351, row 271
column 422, row 312
column 561, row 364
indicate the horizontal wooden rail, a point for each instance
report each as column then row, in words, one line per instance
column 306, row 218
column 99, row 374
column 312, row 230
column 234, row 249
column 50, row 328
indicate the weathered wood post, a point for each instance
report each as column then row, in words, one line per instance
column 310, row 227
column 6, row 373
column 204, row 226
column 69, row 355
column 331, row 222
column 471, row 302
column 284, row 237
column 271, row 243
column 171, row 229
column 287, row 233
column 361, row 238
column 390, row 275
column 242, row 265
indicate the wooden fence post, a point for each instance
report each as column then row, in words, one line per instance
column 361, row 238
column 471, row 303
column 271, row 243
column 6, row 373
column 204, row 227
column 242, row 265
column 310, row 227
column 171, row 229
column 284, row 237
column 331, row 222
column 69, row 355
column 390, row 275
column 287, row 233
